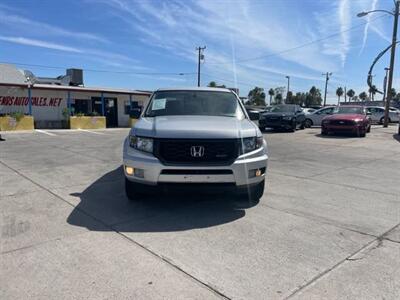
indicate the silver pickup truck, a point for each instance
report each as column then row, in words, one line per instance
column 195, row 137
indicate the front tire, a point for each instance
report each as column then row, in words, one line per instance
column 254, row 193
column 382, row 120
column 308, row 123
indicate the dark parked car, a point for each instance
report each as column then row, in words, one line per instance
column 285, row 116
column 347, row 119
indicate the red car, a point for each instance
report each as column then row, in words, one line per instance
column 347, row 119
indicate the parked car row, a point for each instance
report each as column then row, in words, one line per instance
column 333, row 119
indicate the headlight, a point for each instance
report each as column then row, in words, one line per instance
column 141, row 143
column 326, row 121
column 251, row 144
column 358, row 120
column 287, row 118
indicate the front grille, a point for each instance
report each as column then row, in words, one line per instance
column 273, row 119
column 178, row 151
column 342, row 122
column 196, row 172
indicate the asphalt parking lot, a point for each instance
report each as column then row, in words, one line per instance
column 328, row 225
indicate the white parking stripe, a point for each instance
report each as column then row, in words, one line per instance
column 45, row 132
column 90, row 131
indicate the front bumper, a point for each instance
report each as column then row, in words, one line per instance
column 280, row 123
column 240, row 173
column 355, row 129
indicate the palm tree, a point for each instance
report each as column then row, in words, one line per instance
column 350, row 94
column 271, row 93
column 363, row 96
column 339, row 93
column 257, row 96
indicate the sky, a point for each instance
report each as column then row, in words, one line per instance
column 146, row 45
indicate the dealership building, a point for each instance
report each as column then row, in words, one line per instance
column 51, row 100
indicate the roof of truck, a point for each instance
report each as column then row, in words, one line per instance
column 208, row 89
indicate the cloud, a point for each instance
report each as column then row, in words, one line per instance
column 31, row 26
column 337, row 18
column 39, row 43
column 178, row 27
column 365, row 36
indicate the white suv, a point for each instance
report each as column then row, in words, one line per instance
column 197, row 135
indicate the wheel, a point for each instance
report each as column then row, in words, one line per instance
column 324, row 132
column 133, row 190
column 303, row 125
column 308, row 123
column 255, row 192
column 369, row 129
column 383, row 120
column 293, row 127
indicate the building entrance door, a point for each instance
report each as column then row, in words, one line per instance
column 110, row 110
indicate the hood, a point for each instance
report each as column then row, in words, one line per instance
column 277, row 114
column 194, row 127
column 345, row 117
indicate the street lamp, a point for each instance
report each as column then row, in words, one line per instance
column 395, row 14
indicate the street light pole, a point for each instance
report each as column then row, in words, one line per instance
column 385, row 86
column 391, row 67
column 200, row 57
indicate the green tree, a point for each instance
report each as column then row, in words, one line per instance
column 350, row 93
column 214, row 84
column 339, row 93
column 393, row 93
column 278, row 99
column 363, row 96
column 315, row 94
column 257, row 96
column 271, row 93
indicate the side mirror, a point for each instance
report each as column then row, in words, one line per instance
column 135, row 113
column 369, row 113
column 253, row 115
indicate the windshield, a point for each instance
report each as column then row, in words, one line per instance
column 195, row 103
column 283, row 108
column 349, row 110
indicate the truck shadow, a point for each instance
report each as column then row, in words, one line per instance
column 103, row 206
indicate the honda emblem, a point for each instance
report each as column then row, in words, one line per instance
column 197, row 151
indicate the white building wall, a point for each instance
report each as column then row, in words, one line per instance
column 48, row 105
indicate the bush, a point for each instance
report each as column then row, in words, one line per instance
column 17, row 115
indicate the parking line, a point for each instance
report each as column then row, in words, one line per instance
column 45, row 132
column 94, row 132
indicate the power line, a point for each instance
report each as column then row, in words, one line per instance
column 99, row 71
column 299, row 46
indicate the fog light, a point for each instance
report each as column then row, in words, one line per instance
column 139, row 173
column 258, row 173
column 129, row 170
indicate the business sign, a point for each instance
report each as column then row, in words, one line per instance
column 24, row 101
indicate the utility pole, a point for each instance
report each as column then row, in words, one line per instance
column 385, row 85
column 327, row 74
column 200, row 57
column 288, row 88
column 391, row 67
column 345, row 94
